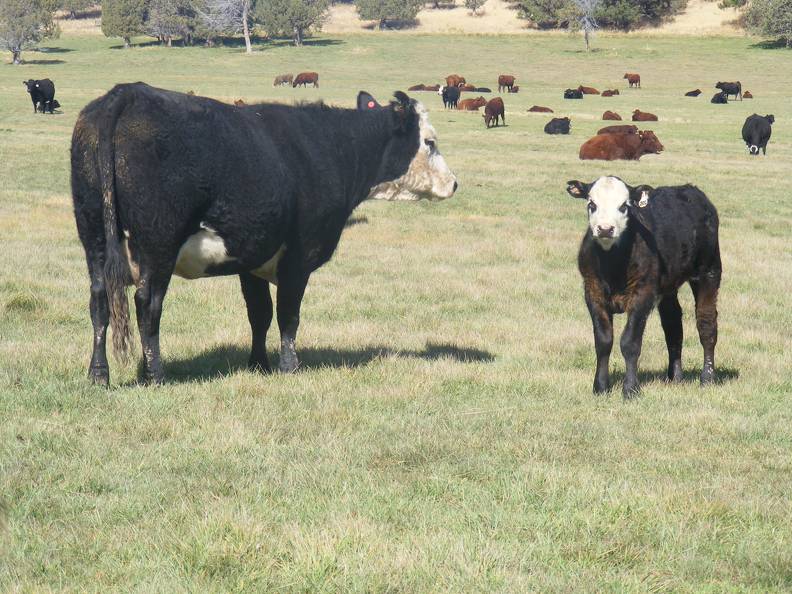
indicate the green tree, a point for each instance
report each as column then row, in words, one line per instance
column 383, row 11
column 292, row 18
column 124, row 18
column 772, row 18
column 23, row 23
column 474, row 5
column 546, row 14
column 167, row 19
column 75, row 6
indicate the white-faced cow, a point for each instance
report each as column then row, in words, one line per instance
column 641, row 245
column 164, row 183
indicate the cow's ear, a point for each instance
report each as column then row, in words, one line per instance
column 365, row 101
column 403, row 110
column 578, row 189
column 639, row 196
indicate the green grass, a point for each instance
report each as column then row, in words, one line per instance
column 441, row 435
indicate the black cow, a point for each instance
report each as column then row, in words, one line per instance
column 756, row 132
column 483, row 90
column 42, row 94
column 573, row 94
column 731, row 88
column 642, row 244
column 557, row 126
column 693, row 93
column 450, row 96
column 164, row 183
column 720, row 98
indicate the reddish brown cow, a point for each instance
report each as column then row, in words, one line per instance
column 471, row 104
column 747, row 95
column 633, row 79
column 419, row 87
column 306, row 77
column 239, row 103
column 643, row 116
column 467, row 87
column 628, row 147
column 454, row 80
column 621, row 129
column 432, row 88
column 494, row 109
column 611, row 115
column 505, row 81
column 540, row 109
column 514, row 89
column 610, row 93
column 588, row 90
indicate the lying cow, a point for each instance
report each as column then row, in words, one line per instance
column 467, row 88
column 42, row 94
column 588, row 90
column 641, row 245
column 514, row 89
column 573, row 94
column 471, row 104
column 306, row 78
column 283, row 79
column 693, row 93
column 613, row 147
column 643, row 116
column 454, row 80
column 748, row 95
column 262, row 192
column 620, row 129
column 610, row 93
column 433, row 88
column 756, row 132
column 493, row 110
column 505, row 82
column 450, row 96
column 540, row 109
column 419, row 87
column 633, row 80
column 719, row 98
column 558, row 126
column 731, row 88
column 483, row 90
column 611, row 115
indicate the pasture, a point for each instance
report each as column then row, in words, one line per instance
column 441, row 434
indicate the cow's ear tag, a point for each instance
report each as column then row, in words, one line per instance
column 644, row 199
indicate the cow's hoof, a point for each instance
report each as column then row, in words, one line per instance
column 99, row 376
column 288, row 364
column 630, row 391
column 259, row 366
column 707, row 377
column 601, row 388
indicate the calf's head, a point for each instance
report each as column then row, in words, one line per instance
column 609, row 203
column 414, row 143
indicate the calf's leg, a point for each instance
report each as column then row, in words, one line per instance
column 259, row 309
column 705, row 292
column 602, row 321
column 631, row 341
column 671, row 319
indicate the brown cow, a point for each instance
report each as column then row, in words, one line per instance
column 588, row 90
column 432, row 88
column 492, row 110
column 282, row 79
column 306, row 77
column 611, row 115
column 191, row 92
column 454, row 80
column 514, row 89
column 610, row 93
column 471, row 104
column 620, row 129
column 540, row 109
column 417, row 88
column 693, row 93
column 239, row 103
column 643, row 116
column 634, row 80
column 628, row 147
column 505, row 81
column 747, row 95
column 467, row 87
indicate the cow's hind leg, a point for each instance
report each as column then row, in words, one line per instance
column 671, row 319
column 98, row 370
column 705, row 292
column 291, row 288
column 148, row 305
column 259, row 310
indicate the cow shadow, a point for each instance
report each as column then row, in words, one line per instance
column 395, row 24
column 55, row 50
column 769, row 44
column 310, row 42
column 43, row 62
column 221, row 361
column 724, row 375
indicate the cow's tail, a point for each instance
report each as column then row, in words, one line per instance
column 116, row 268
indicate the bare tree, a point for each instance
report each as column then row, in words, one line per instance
column 228, row 17
column 586, row 20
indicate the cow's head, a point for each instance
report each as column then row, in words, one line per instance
column 770, row 119
column 609, row 203
column 440, row 90
column 414, row 145
column 649, row 142
column 30, row 84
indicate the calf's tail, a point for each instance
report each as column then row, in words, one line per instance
column 116, row 268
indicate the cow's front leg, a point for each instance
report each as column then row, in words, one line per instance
column 602, row 321
column 291, row 288
column 148, row 304
column 631, row 341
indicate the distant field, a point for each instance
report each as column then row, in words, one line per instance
column 441, row 434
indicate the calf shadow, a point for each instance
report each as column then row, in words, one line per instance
column 722, row 375
column 221, row 361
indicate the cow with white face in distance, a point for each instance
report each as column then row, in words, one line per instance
column 641, row 245
column 167, row 184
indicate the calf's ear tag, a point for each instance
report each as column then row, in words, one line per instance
column 371, row 105
column 644, row 199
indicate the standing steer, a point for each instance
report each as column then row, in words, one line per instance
column 304, row 78
column 756, row 132
column 493, row 110
column 505, row 81
column 450, row 96
column 166, row 184
column 283, row 79
column 640, row 247
column 42, row 94
column 731, row 88
column 633, row 79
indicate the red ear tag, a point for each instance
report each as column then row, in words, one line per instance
column 371, row 104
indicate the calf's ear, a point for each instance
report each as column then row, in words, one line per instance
column 365, row 101
column 578, row 189
column 639, row 196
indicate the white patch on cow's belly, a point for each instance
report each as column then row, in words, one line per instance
column 201, row 250
column 269, row 270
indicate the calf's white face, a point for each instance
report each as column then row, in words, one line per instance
column 608, row 202
column 428, row 175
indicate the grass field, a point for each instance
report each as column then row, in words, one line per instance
column 441, row 434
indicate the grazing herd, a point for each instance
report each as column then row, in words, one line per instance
column 203, row 206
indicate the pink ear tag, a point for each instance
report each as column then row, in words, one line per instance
column 371, row 104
